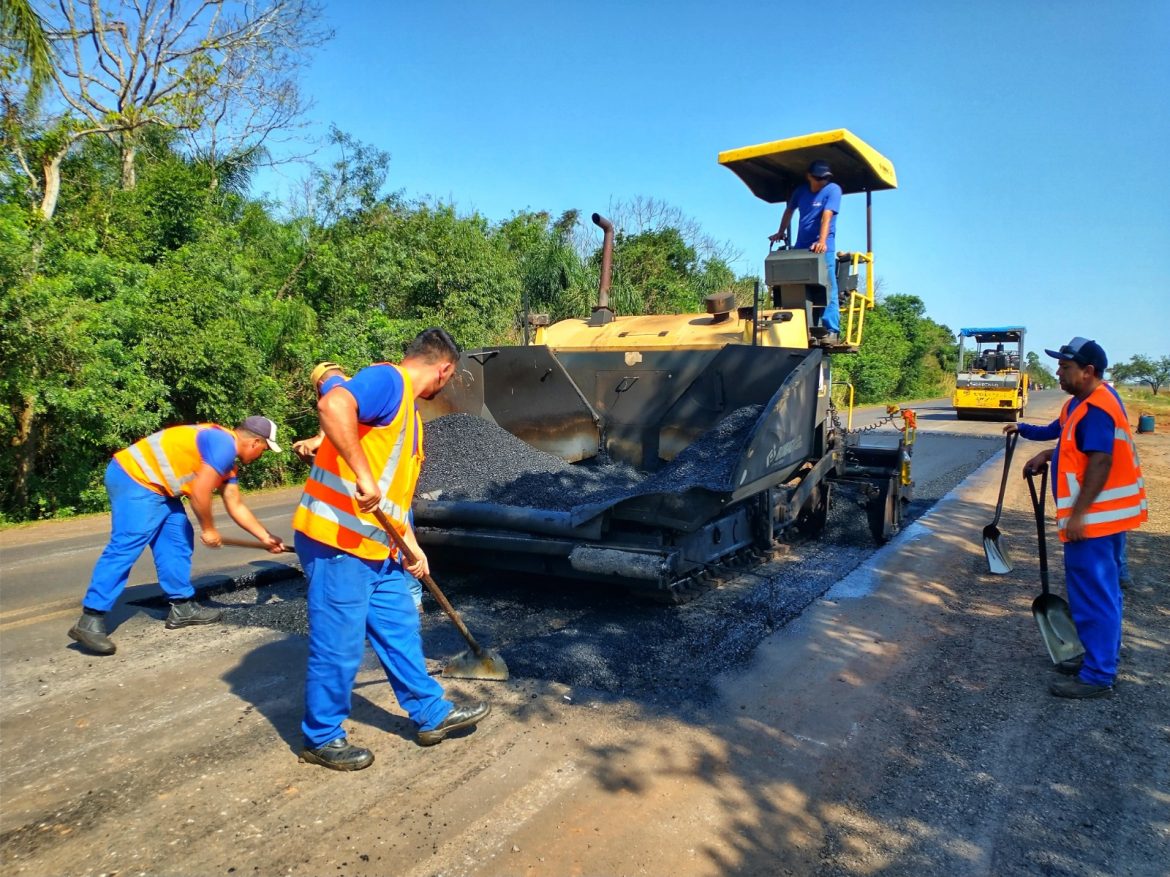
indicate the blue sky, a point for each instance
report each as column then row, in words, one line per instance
column 1031, row 139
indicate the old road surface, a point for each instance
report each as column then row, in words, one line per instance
column 837, row 710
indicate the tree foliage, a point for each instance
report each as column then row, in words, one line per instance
column 1154, row 373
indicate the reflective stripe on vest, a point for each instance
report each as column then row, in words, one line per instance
column 1121, row 504
column 328, row 511
column 167, row 461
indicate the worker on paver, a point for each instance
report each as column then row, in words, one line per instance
column 1100, row 494
column 818, row 201
column 324, row 377
column 146, row 483
column 371, row 457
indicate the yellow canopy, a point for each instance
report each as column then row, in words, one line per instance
column 773, row 170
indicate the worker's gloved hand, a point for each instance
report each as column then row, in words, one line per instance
column 274, row 543
column 211, row 538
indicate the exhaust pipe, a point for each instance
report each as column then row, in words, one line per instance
column 603, row 313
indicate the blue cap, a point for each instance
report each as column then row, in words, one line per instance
column 820, row 170
column 1083, row 352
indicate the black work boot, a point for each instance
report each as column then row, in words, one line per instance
column 90, row 632
column 1078, row 690
column 459, row 717
column 186, row 613
column 338, row 754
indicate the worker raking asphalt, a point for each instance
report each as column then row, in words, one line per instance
column 472, row 459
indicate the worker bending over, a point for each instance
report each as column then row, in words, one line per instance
column 146, row 483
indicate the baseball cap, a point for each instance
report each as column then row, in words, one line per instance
column 820, row 170
column 1083, row 352
column 319, row 370
column 264, row 428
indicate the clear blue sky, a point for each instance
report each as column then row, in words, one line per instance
column 1031, row 138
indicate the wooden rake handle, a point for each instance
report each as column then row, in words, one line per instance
column 252, row 543
column 429, row 582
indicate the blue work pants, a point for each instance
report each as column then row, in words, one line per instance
column 831, row 318
column 1123, row 561
column 349, row 600
column 1094, row 596
column 140, row 518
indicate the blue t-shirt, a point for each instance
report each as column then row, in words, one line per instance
column 378, row 391
column 330, row 382
column 217, row 448
column 811, row 207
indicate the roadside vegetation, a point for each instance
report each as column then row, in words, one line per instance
column 143, row 284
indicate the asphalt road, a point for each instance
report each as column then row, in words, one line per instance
column 45, row 567
column 836, row 710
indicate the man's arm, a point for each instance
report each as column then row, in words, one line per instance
column 1096, row 474
column 242, row 515
column 1034, row 433
column 207, row 480
column 338, row 410
column 826, row 220
column 306, row 448
column 785, row 221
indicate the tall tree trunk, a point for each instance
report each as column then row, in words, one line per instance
column 25, row 443
column 129, row 176
column 51, row 168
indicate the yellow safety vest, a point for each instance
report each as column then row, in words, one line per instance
column 167, row 461
column 328, row 511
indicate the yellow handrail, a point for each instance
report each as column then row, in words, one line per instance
column 859, row 302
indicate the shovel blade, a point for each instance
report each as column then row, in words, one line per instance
column 486, row 665
column 998, row 561
column 1057, row 629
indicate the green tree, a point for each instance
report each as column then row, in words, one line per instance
column 1154, row 373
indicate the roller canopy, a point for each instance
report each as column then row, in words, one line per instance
column 773, row 170
column 995, row 334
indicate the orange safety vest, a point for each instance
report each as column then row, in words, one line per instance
column 1121, row 505
column 167, row 461
column 328, row 511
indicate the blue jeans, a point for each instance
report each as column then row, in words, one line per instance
column 140, row 518
column 831, row 319
column 1094, row 597
column 349, row 600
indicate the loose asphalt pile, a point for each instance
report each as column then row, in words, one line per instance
column 471, row 459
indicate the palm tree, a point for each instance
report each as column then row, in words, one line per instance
column 20, row 24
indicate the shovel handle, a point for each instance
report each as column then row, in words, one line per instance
column 1010, row 447
column 439, row 596
column 252, row 543
column 1038, row 508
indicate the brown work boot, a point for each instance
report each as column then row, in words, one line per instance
column 90, row 632
column 459, row 717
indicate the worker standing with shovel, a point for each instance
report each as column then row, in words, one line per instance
column 370, row 460
column 1100, row 495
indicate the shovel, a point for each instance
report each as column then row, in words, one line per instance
column 996, row 552
column 1051, row 612
column 479, row 663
